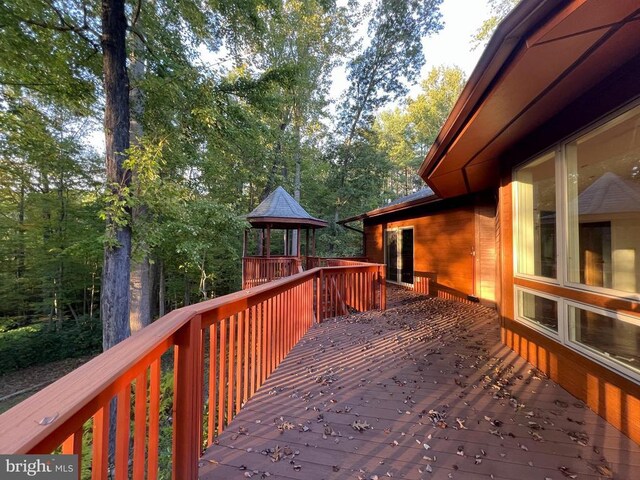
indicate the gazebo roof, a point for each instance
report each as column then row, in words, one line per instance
column 280, row 210
column 610, row 194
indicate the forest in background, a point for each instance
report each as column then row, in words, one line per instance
column 226, row 102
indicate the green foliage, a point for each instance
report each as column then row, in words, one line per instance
column 38, row 343
column 405, row 134
column 499, row 10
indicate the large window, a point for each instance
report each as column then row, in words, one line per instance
column 577, row 224
column 603, row 189
column 536, row 218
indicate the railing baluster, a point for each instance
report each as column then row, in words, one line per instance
column 123, row 425
column 269, row 358
column 221, row 375
column 154, row 419
column 213, row 381
column 73, row 446
column 254, row 343
column 140, row 426
column 258, row 346
column 240, row 318
column 100, row 444
column 263, row 341
column 230, row 372
column 245, row 380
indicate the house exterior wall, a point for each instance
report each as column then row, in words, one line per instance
column 609, row 391
column 611, row 395
column 454, row 247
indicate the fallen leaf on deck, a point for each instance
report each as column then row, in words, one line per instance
column 567, row 473
column 360, row 425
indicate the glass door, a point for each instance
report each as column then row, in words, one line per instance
column 399, row 255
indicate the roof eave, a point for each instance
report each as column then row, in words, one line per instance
column 500, row 49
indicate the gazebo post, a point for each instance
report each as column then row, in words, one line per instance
column 298, row 246
column 286, row 242
column 306, row 244
column 268, row 241
column 314, row 243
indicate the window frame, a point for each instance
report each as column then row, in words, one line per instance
column 560, row 335
column 592, row 353
column 515, row 230
column 564, row 203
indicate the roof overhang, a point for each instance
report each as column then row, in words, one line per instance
column 286, row 223
column 389, row 209
column 545, row 55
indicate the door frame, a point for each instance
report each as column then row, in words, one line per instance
column 398, row 278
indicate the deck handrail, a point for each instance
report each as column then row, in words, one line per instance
column 249, row 333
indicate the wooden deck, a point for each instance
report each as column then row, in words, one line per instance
column 434, row 394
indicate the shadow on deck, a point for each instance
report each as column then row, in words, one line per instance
column 435, row 394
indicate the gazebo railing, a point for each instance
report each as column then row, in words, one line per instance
column 260, row 270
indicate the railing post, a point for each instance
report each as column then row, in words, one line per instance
column 383, row 287
column 187, row 402
column 319, row 297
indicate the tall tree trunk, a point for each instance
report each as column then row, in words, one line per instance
column 140, row 284
column 114, row 301
column 297, row 181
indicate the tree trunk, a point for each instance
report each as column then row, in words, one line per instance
column 114, row 301
column 297, row 182
column 140, row 301
column 140, row 284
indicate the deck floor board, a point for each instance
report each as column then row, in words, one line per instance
column 393, row 370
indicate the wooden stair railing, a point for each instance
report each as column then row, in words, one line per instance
column 223, row 350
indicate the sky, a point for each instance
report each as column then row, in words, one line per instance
column 451, row 46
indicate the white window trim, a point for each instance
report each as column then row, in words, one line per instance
column 557, row 336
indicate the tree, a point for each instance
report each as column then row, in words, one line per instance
column 393, row 58
column 499, row 10
column 114, row 300
column 405, row 134
column 379, row 74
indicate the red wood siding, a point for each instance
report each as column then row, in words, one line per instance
column 609, row 394
column 443, row 244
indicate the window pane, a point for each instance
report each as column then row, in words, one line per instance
column 540, row 310
column 616, row 339
column 536, row 218
column 604, row 205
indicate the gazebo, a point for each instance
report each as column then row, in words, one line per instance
column 279, row 211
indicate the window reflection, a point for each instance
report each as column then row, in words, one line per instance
column 536, row 210
column 540, row 310
column 604, row 205
column 617, row 339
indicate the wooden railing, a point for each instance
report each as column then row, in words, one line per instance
column 218, row 353
column 260, row 270
column 313, row 262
